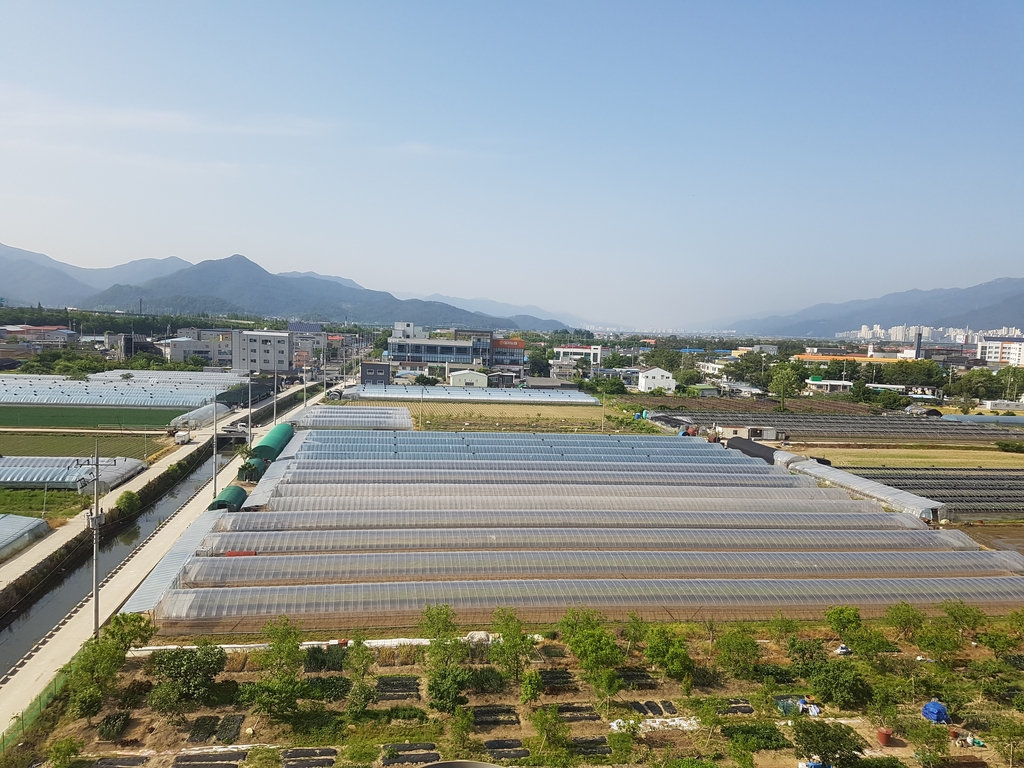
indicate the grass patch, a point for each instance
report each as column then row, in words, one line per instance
column 84, row 417
column 262, row 757
column 920, row 457
column 29, row 502
column 56, row 444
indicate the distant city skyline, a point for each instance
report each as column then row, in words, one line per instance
column 660, row 165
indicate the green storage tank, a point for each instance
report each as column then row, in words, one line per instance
column 270, row 447
column 231, row 498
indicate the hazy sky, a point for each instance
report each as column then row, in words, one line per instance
column 658, row 164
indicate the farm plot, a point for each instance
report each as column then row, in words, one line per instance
column 84, row 417
column 57, row 444
column 500, row 416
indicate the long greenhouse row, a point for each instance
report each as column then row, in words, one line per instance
column 968, row 493
column 355, row 528
column 132, row 389
column 470, row 394
column 802, row 426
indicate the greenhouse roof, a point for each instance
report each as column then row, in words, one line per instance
column 356, row 527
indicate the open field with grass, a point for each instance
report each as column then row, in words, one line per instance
column 84, row 417
column 71, row 444
column 512, row 417
column 989, row 458
column 19, row 501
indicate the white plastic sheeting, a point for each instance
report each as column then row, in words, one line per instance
column 890, row 497
column 470, row 394
column 72, row 473
column 340, row 417
column 18, row 532
column 200, row 417
column 142, row 389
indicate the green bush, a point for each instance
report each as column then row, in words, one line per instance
column 1010, row 446
column 329, row 659
column 328, row 688
column 487, row 680
column 757, row 736
column 112, row 726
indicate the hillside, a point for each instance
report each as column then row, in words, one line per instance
column 236, row 284
column 989, row 305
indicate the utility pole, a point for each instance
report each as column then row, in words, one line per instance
column 95, row 520
column 215, row 445
column 275, row 386
column 250, row 409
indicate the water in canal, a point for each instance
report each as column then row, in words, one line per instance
column 61, row 594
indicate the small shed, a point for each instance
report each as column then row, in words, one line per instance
column 750, row 433
column 231, row 499
column 468, row 379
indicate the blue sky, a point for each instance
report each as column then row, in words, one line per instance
column 663, row 165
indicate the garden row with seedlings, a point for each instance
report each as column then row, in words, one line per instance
column 686, row 695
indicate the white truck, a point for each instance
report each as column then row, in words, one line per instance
column 182, row 437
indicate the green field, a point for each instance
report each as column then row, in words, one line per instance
column 56, row 444
column 18, row 501
column 84, row 417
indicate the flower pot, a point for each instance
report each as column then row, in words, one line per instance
column 884, row 734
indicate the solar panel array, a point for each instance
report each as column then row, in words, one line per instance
column 155, row 389
column 356, row 528
column 470, row 394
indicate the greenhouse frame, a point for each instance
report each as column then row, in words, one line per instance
column 357, row 528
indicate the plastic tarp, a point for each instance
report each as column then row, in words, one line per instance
column 201, row 417
column 231, row 499
column 861, row 486
column 273, row 443
column 936, row 712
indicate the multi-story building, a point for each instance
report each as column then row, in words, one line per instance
column 309, row 342
column 375, row 372
column 214, row 347
column 575, row 352
column 413, row 349
column 262, row 351
column 1001, row 350
column 655, row 378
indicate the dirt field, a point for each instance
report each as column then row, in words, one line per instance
column 513, row 417
column 997, row 535
column 989, row 458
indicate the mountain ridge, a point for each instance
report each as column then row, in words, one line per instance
column 992, row 304
column 246, row 287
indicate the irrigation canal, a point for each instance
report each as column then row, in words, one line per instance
column 33, row 618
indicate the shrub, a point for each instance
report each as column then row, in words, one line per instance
column 840, row 683
column 757, row 736
column 64, row 751
column 1010, row 446
column 487, row 680
column 325, row 659
column 739, row 653
column 135, row 693
column 192, row 669
column 328, row 688
column 112, row 726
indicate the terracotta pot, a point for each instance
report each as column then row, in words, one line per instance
column 884, row 734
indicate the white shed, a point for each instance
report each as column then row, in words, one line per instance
column 468, row 379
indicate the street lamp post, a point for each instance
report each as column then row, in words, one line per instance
column 250, row 409
column 215, row 445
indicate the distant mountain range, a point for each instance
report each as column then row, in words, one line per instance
column 224, row 286
column 500, row 309
column 990, row 305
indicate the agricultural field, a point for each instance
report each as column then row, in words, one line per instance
column 132, row 446
column 732, row 689
column 84, row 417
column 988, row 458
column 42, row 503
column 512, row 417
